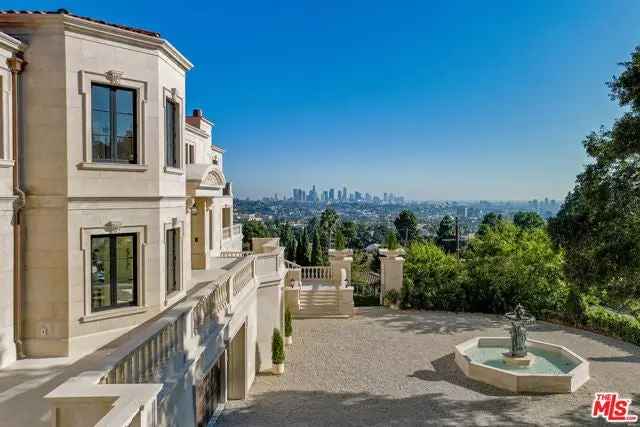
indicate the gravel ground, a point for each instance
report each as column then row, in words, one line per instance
column 386, row 367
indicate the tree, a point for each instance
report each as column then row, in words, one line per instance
column 317, row 257
column 340, row 242
column 406, row 226
column 303, row 251
column 433, row 279
column 528, row 220
column 446, row 234
column 349, row 231
column 489, row 221
column 251, row 229
column 380, row 232
column 507, row 265
column 329, row 221
column 288, row 240
column 597, row 225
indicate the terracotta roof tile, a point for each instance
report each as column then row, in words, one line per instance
column 66, row 12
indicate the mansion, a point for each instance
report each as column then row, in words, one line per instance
column 116, row 230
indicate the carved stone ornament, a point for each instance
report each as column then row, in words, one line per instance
column 174, row 221
column 112, row 226
column 213, row 179
column 114, row 76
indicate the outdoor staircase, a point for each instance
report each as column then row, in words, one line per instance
column 318, row 303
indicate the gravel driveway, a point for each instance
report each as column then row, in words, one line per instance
column 386, row 367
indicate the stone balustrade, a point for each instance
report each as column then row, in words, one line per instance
column 226, row 232
column 138, row 367
column 316, row 274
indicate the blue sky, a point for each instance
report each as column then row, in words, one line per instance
column 433, row 100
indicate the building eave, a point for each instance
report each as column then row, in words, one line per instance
column 11, row 44
column 72, row 23
column 196, row 130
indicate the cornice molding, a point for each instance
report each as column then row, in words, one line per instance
column 8, row 42
column 196, row 130
column 96, row 29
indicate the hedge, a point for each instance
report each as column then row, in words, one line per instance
column 619, row 325
column 602, row 320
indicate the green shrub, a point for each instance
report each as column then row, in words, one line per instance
column 392, row 241
column 277, row 348
column 507, row 265
column 288, row 323
column 433, row 279
column 366, row 300
column 619, row 325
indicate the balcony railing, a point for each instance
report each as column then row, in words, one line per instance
column 235, row 254
column 144, row 363
column 316, row 274
column 161, row 347
column 244, row 275
column 231, row 231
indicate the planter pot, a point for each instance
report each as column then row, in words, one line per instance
column 288, row 340
column 394, row 306
column 340, row 253
column 278, row 368
column 391, row 253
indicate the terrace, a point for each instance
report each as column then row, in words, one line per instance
column 124, row 381
column 389, row 367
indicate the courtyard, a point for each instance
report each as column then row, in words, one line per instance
column 386, row 367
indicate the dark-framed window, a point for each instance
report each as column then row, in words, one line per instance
column 114, row 271
column 113, row 124
column 189, row 154
column 173, row 260
column 171, row 133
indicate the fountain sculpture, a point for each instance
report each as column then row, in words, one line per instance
column 520, row 365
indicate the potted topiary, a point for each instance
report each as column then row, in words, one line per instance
column 340, row 250
column 393, row 248
column 392, row 299
column 277, row 352
column 288, row 327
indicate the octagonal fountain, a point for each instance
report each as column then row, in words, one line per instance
column 520, row 365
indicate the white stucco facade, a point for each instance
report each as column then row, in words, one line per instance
column 128, row 240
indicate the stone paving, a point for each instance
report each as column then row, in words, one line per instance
column 387, row 367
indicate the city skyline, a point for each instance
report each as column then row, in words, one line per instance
column 317, row 193
column 435, row 101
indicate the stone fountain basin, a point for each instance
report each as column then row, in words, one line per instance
column 522, row 380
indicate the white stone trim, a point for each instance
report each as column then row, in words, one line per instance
column 173, row 171
column 110, row 32
column 85, row 247
column 8, row 42
column 172, row 95
column 103, row 166
column 172, row 298
column 116, row 312
column 5, row 118
column 120, row 80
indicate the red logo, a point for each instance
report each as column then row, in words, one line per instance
column 612, row 408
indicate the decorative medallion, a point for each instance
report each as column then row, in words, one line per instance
column 112, row 226
column 114, row 76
